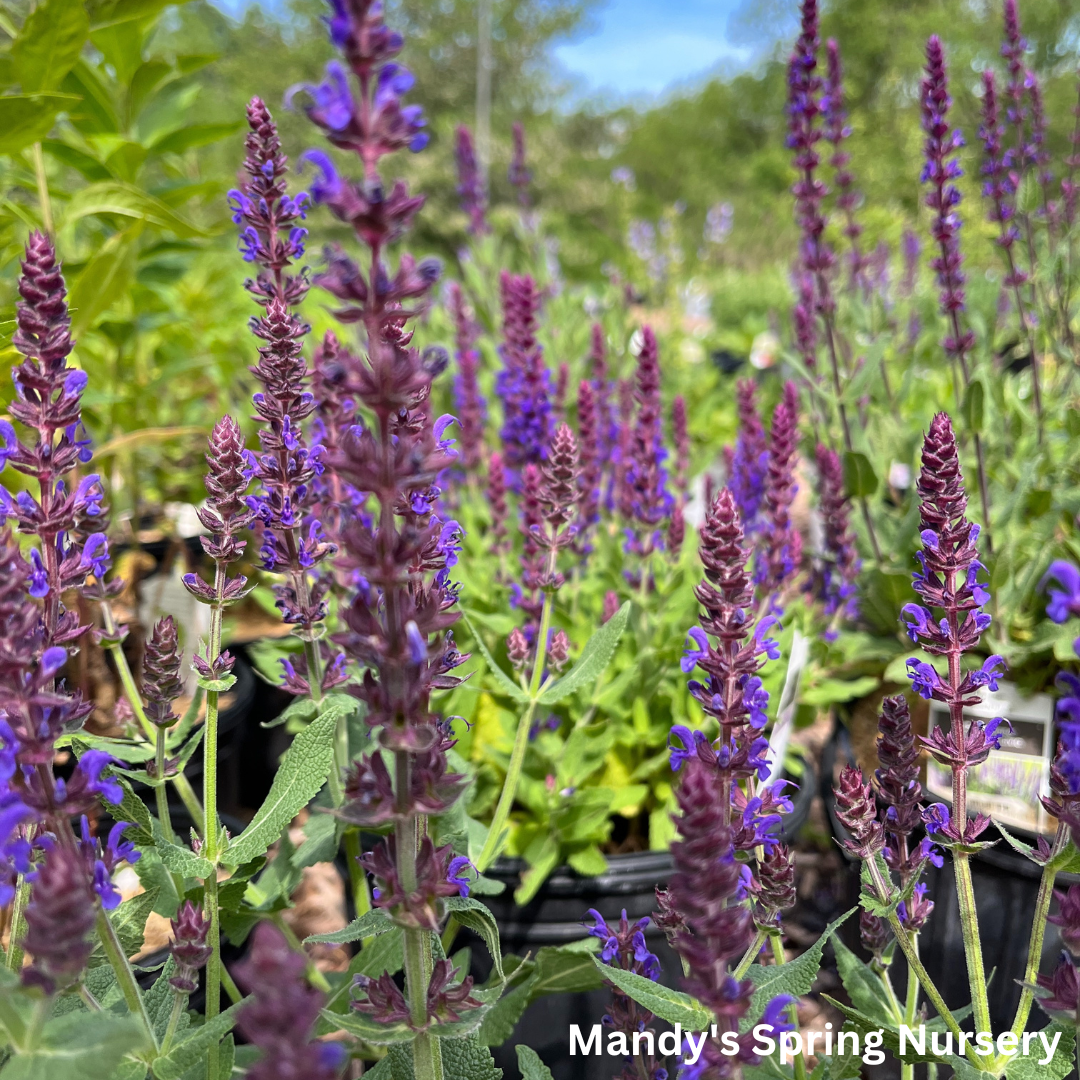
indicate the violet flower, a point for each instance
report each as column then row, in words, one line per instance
column 779, row 560
column 161, row 682
column 750, row 459
column 624, row 946
column 524, row 383
column 397, row 623
column 469, row 403
column 470, row 187
column 293, row 542
column 519, row 174
column 59, row 920
column 1058, row 994
column 948, row 583
column 840, row 571
column 940, row 171
column 280, row 1015
column 189, row 949
column 650, row 502
column 836, row 130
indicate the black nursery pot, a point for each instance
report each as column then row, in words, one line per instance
column 1006, row 887
column 555, row 916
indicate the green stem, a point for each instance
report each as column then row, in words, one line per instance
column 776, row 941
column 129, row 987
column 179, row 1001
column 210, row 833
column 890, row 993
column 89, row 1000
column 213, row 967
column 161, row 792
column 18, row 923
column 750, row 955
column 190, row 801
column 969, row 923
column 493, row 845
column 361, row 898
column 1038, row 931
column 341, row 760
column 127, row 680
column 312, row 974
column 229, row 986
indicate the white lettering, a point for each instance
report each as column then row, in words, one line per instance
column 1049, row 1046
column 695, row 1048
column 576, row 1040
column 670, row 1042
column 907, row 1035
column 871, row 1041
column 1006, row 1043
column 790, row 1046
column 764, row 1046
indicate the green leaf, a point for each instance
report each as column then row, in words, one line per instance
column 106, row 13
column 594, row 659
column 478, row 918
column 368, row 925
column 320, row 841
column 501, row 1018
column 505, row 682
column 463, row 1059
column 671, row 1005
column 49, row 43
column 566, row 969
column 159, row 1000
column 1017, row 845
column 860, row 479
column 126, row 200
column 85, row 1045
column 105, row 278
column 795, row 978
column 591, row 861
column 299, row 779
column 974, row 406
column 1027, row 1067
column 186, row 138
column 532, row 1068
column 181, row 860
column 27, row 118
column 193, row 1049
column 370, row 1030
column 129, row 920
column 862, row 985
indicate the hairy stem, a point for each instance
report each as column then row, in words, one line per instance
column 161, row 791
column 493, row 844
column 129, row 987
column 777, row 944
column 18, row 925
column 179, row 1002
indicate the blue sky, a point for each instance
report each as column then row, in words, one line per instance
column 644, row 47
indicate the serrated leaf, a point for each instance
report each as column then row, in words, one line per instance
column 49, row 43
column 368, row 925
column 594, row 659
column 671, row 1005
column 795, row 978
column 299, row 779
column 194, row 1048
column 81, row 1044
column 126, row 200
column 159, row 1001
column 180, row 859
column 478, row 918
column 532, row 1068
column 1017, row 845
column 463, row 1059
column 505, row 682
column 320, row 841
column 502, row 1017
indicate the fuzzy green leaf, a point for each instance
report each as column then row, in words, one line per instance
column 532, row 1068
column 368, row 925
column 594, row 659
column 129, row 920
column 81, row 1044
column 505, row 682
column 299, row 779
column 370, row 1030
column 863, row 987
column 478, row 918
column 671, row 1005
column 1028, row 1067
